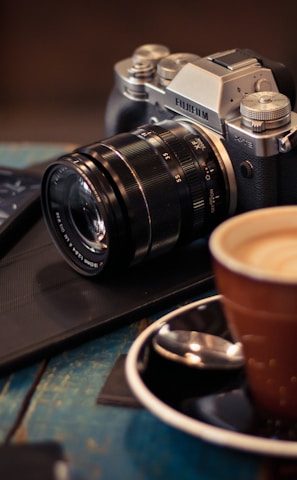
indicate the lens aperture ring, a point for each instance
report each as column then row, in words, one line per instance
column 191, row 173
column 200, row 161
column 216, row 191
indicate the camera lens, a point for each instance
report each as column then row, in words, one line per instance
column 137, row 195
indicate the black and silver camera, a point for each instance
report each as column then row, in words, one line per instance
column 190, row 142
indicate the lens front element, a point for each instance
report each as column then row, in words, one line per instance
column 77, row 218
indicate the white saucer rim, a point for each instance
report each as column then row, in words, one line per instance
column 194, row 427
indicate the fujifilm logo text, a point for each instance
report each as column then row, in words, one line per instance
column 190, row 108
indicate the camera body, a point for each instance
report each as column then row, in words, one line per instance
column 191, row 141
column 233, row 96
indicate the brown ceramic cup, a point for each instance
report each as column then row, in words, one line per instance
column 255, row 265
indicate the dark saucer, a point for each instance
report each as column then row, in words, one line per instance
column 233, row 410
column 216, row 397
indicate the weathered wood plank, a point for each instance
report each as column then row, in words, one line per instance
column 22, row 155
column 13, row 391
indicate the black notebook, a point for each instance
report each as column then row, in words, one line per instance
column 45, row 306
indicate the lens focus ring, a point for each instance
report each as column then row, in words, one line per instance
column 150, row 177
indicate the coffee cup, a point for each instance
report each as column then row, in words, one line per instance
column 255, row 266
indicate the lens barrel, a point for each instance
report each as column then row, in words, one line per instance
column 136, row 195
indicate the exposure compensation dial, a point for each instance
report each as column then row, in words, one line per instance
column 265, row 110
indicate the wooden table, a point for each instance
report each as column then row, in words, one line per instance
column 56, row 399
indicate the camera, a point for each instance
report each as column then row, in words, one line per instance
column 190, row 141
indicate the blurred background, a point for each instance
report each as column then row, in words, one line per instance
column 57, row 56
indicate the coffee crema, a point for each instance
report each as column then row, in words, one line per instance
column 274, row 253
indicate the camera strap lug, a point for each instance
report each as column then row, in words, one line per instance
column 289, row 141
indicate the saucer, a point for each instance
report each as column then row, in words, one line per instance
column 213, row 405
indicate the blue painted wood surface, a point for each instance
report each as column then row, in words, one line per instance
column 106, row 442
column 103, row 442
column 22, row 155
